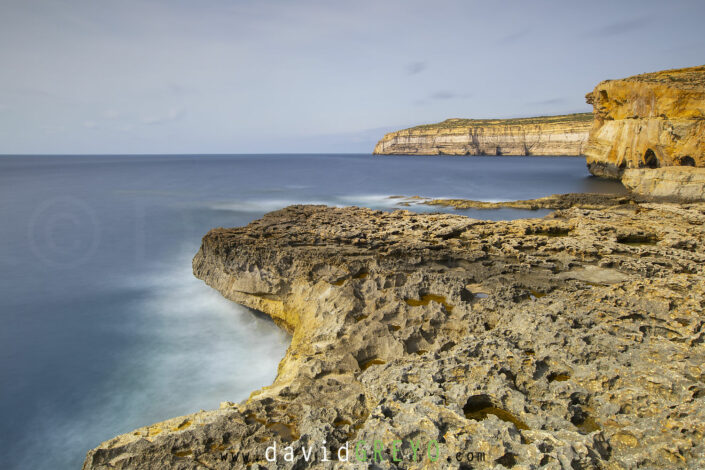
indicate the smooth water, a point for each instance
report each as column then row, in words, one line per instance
column 104, row 329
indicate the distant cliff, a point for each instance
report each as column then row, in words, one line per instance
column 648, row 121
column 548, row 135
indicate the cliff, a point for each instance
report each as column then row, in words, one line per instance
column 549, row 135
column 648, row 121
column 573, row 341
column 673, row 182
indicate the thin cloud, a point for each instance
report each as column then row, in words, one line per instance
column 621, row 27
column 447, row 95
column 53, row 128
column 111, row 114
column 546, row 102
column 443, row 95
column 416, row 68
column 34, row 92
column 172, row 115
column 178, row 89
column 514, row 37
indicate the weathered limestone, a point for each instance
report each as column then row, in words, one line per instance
column 648, row 121
column 572, row 341
column 683, row 183
column 548, row 135
column 555, row 201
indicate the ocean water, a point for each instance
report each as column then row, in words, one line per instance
column 104, row 329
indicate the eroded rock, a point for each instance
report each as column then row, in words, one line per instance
column 648, row 121
column 683, row 183
column 583, row 350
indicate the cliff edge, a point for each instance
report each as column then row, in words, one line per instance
column 547, row 135
column 572, row 341
column 648, row 121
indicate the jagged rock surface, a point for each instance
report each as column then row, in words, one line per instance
column 648, row 121
column 549, row 135
column 572, row 341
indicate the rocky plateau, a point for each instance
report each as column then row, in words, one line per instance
column 548, row 135
column 571, row 341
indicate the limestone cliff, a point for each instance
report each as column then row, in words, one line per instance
column 573, row 341
column 548, row 135
column 675, row 182
column 648, row 121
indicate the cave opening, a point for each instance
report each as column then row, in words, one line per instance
column 650, row 159
column 687, row 161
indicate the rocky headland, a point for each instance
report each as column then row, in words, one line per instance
column 572, row 341
column 547, row 135
column 648, row 121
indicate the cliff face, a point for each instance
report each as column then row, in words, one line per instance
column 571, row 341
column 648, row 121
column 550, row 135
column 676, row 182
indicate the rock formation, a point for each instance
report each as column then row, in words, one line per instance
column 682, row 183
column 648, row 121
column 572, row 341
column 549, row 135
column 555, row 201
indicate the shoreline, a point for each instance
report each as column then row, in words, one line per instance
column 553, row 202
column 574, row 340
column 385, row 343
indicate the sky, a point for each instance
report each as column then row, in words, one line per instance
column 283, row 76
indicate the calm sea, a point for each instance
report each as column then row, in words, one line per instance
column 103, row 328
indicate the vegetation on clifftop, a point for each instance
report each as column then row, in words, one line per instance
column 466, row 123
column 687, row 78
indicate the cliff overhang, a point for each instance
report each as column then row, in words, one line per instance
column 648, row 121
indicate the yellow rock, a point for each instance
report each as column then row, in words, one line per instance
column 648, row 121
column 684, row 183
column 625, row 439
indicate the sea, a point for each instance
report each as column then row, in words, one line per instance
column 104, row 328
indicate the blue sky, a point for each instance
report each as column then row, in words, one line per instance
column 257, row 76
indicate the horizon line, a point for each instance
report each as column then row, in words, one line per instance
column 172, row 154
